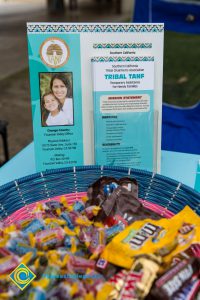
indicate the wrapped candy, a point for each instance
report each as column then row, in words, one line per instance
column 98, row 242
column 109, row 247
column 8, row 264
column 34, row 226
column 50, row 238
column 92, row 211
column 65, row 216
column 78, row 206
column 20, row 246
column 80, row 265
column 172, row 281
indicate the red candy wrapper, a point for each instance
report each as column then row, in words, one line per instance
column 8, row 264
column 50, row 238
column 98, row 241
column 80, row 265
column 128, row 291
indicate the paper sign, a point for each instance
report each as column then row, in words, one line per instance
column 61, row 84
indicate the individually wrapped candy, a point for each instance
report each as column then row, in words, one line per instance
column 141, row 277
column 50, row 238
column 53, row 205
column 92, row 279
column 23, row 223
column 37, row 294
column 104, row 290
column 65, row 216
column 78, row 206
column 60, row 292
column 4, row 252
column 119, row 277
column 82, row 221
column 188, row 234
column 34, row 226
column 40, row 264
column 136, row 283
column 114, row 230
column 80, row 264
column 192, row 251
column 107, row 269
column 85, row 235
column 92, row 211
column 51, row 272
column 69, row 240
column 172, row 281
column 71, row 243
column 59, row 222
column 190, row 291
column 20, row 246
column 75, row 218
column 98, row 241
column 8, row 264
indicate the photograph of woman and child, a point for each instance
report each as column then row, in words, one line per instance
column 56, row 99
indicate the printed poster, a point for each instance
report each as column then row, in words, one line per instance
column 61, row 84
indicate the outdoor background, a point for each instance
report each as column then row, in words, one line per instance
column 181, row 59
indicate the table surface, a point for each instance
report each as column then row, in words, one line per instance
column 179, row 166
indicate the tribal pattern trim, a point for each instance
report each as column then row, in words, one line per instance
column 122, row 45
column 81, row 28
column 122, row 58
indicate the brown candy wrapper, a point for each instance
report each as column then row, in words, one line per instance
column 122, row 201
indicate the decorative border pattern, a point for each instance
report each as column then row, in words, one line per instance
column 122, row 58
column 122, row 45
column 77, row 28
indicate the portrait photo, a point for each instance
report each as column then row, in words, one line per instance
column 56, row 99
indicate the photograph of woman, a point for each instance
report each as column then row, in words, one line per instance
column 57, row 102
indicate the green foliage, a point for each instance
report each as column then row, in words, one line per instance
column 45, row 79
column 181, row 69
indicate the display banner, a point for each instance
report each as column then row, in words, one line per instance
column 61, row 82
column 177, row 15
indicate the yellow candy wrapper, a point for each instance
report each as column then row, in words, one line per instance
column 82, row 220
column 105, row 291
column 4, row 296
column 147, row 237
column 188, row 234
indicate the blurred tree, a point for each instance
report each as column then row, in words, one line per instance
column 117, row 3
column 45, row 79
column 55, row 6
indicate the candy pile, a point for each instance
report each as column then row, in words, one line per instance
column 104, row 246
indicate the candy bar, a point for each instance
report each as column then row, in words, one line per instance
column 175, row 278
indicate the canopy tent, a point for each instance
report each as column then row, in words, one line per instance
column 178, row 15
column 181, row 128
